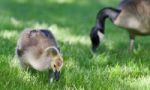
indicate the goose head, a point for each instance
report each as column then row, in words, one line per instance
column 56, row 62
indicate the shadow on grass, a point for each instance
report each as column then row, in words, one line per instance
column 76, row 16
column 7, row 46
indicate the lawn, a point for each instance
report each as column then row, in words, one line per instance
column 111, row 68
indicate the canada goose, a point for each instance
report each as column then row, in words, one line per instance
column 38, row 49
column 133, row 15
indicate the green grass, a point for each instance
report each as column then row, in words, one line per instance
column 112, row 68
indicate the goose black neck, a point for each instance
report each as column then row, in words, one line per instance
column 105, row 13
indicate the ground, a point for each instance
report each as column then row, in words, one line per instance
column 111, row 68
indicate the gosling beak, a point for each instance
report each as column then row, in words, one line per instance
column 57, row 75
column 54, row 75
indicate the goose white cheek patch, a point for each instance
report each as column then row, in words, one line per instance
column 100, row 35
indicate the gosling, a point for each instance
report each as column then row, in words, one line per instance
column 38, row 49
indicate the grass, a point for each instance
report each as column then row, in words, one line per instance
column 112, row 68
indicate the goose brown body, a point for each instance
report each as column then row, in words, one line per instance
column 135, row 17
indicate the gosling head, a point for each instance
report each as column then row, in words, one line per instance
column 56, row 62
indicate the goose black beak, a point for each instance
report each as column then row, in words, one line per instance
column 57, row 75
column 54, row 75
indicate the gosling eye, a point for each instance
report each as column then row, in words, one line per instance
column 54, row 66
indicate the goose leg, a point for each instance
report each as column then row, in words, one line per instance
column 131, row 43
column 50, row 75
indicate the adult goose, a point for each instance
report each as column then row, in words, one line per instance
column 132, row 15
